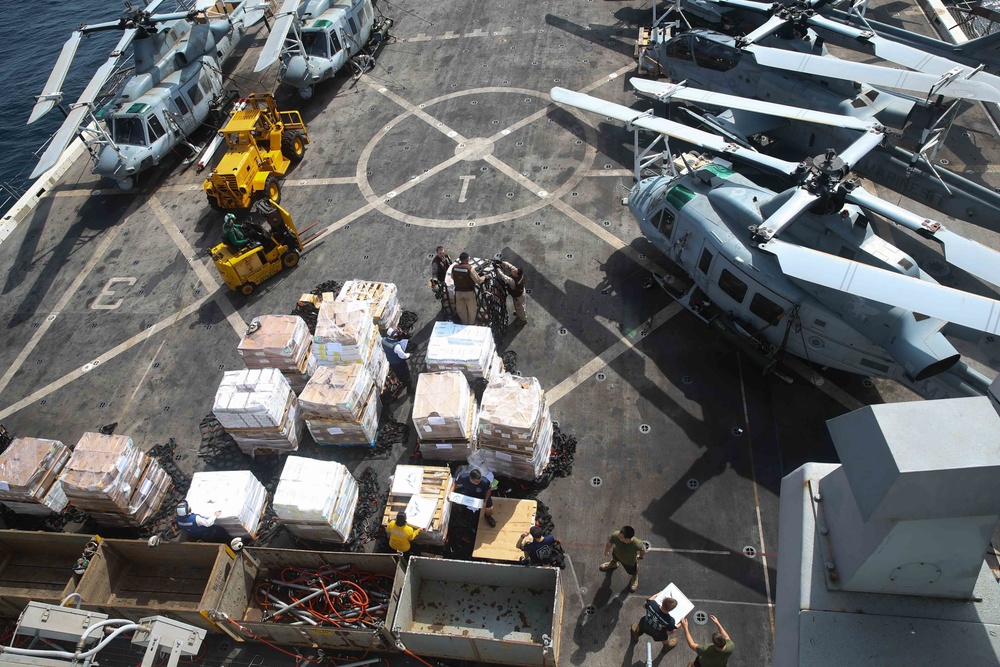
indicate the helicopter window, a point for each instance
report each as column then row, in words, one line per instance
column 316, row 44
column 354, row 26
column 715, row 56
column 705, row 262
column 732, row 286
column 182, row 105
column 195, row 94
column 665, row 222
column 872, row 95
column 859, row 102
column 130, row 131
column 335, row 42
column 766, row 309
column 680, row 48
column 155, row 128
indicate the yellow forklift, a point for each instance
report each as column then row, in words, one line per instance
column 258, row 244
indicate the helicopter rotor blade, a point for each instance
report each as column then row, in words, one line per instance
column 672, row 129
column 279, row 31
column 52, row 88
column 788, row 212
column 862, row 146
column 770, row 26
column 667, row 91
column 966, row 254
column 895, row 289
column 874, row 74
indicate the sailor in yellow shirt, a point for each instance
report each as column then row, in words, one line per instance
column 401, row 535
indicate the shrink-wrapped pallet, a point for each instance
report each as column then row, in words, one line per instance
column 345, row 332
column 421, row 492
column 465, row 348
column 258, row 408
column 148, row 497
column 316, row 500
column 341, row 405
column 452, row 450
column 382, row 297
column 511, row 413
column 519, row 464
column 442, row 404
column 237, row 494
column 29, row 469
column 103, row 473
column 282, row 342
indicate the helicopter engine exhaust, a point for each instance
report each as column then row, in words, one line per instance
column 920, row 348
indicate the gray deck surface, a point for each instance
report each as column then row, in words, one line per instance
column 451, row 140
column 477, row 610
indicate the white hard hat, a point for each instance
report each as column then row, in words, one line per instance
column 391, row 332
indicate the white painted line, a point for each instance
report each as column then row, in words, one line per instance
column 713, row 552
column 139, row 338
column 621, row 347
column 607, row 237
column 109, row 237
column 208, row 279
column 739, row 602
column 756, row 496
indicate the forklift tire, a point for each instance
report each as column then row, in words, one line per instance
column 290, row 259
column 272, row 189
column 293, row 145
column 247, row 289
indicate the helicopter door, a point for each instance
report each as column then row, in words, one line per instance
column 732, row 287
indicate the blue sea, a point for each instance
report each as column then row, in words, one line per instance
column 30, row 40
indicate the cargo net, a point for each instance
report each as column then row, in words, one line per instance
column 162, row 524
column 491, row 298
column 331, row 596
column 308, row 311
column 560, row 465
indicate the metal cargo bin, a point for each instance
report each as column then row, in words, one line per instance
column 36, row 566
column 127, row 579
column 483, row 612
column 256, row 563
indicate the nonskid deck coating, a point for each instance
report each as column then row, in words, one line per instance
column 511, row 613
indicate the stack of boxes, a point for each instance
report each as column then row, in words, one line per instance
column 382, row 298
column 282, row 342
column 340, row 405
column 316, row 500
column 345, row 334
column 469, row 349
column 237, row 494
column 422, row 492
column 111, row 479
column 29, row 469
column 515, row 428
column 259, row 409
column 445, row 416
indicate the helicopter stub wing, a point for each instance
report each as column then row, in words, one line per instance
column 895, row 289
column 966, row 254
column 51, row 91
column 876, row 75
column 279, row 31
column 668, row 91
column 672, row 129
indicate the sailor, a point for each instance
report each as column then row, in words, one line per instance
column 513, row 278
column 466, row 279
column 440, row 264
column 232, row 233
column 394, row 346
column 194, row 526
column 402, row 535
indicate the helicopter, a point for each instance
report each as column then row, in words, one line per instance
column 325, row 36
column 174, row 86
column 802, row 271
column 812, row 79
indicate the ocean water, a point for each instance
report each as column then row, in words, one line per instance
column 30, row 40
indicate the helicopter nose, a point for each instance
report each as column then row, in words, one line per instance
column 110, row 164
column 297, row 69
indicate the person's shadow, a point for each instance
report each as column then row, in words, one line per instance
column 597, row 621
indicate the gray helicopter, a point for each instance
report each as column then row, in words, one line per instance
column 811, row 78
column 174, row 87
column 802, row 271
column 318, row 38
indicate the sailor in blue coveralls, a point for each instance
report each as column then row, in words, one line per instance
column 194, row 526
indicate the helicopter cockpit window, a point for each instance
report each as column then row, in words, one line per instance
column 195, row 94
column 155, row 129
column 732, row 286
column 679, row 48
column 336, row 43
column 130, row 131
column 715, row 56
column 705, row 263
column 316, row 43
column 766, row 309
column 665, row 221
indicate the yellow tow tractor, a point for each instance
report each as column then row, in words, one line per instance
column 257, row 244
column 262, row 145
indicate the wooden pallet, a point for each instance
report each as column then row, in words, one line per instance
column 641, row 42
column 436, row 483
